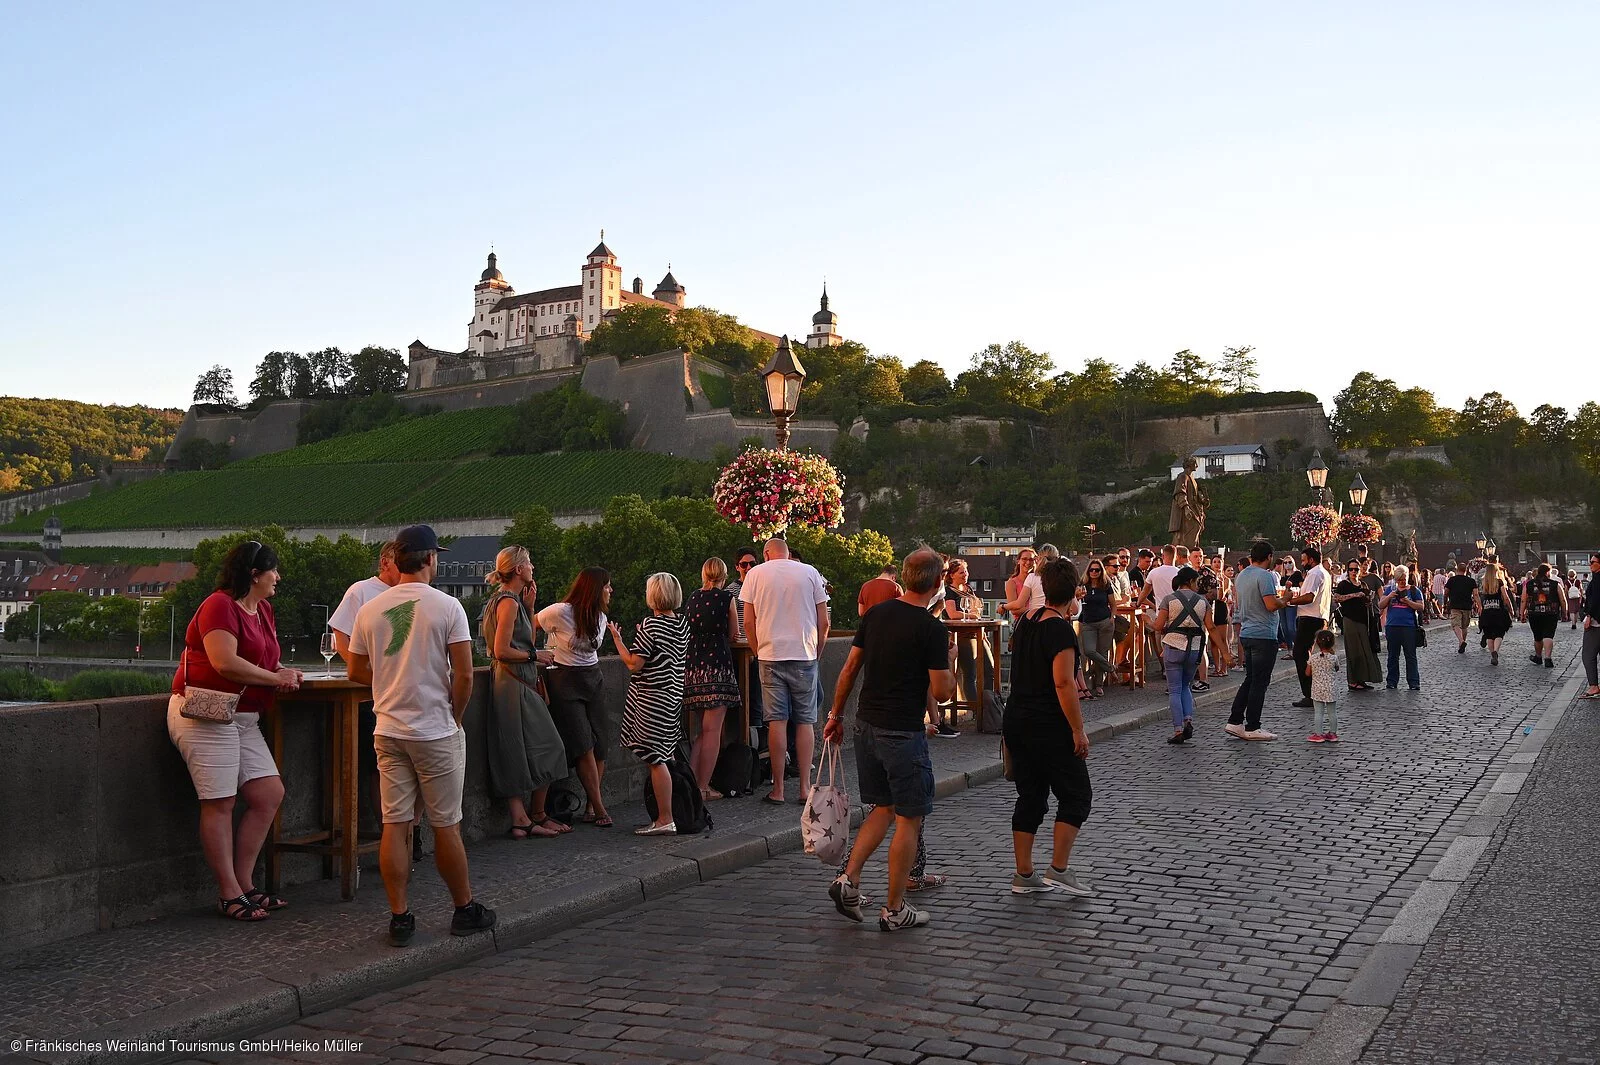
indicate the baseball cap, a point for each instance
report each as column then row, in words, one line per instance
column 414, row 538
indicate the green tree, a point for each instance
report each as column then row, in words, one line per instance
column 1191, row 372
column 109, row 618
column 879, row 384
column 272, row 377
column 1586, row 435
column 537, row 531
column 565, row 419
column 1009, row 373
column 1551, row 424
column 216, row 386
column 50, row 612
column 329, row 368
column 637, row 329
column 374, row 369
column 925, row 382
column 1238, row 368
column 198, row 453
column 1363, row 412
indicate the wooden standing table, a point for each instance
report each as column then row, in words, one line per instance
column 339, row 839
column 987, row 680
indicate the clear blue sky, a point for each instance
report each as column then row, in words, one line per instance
column 1410, row 189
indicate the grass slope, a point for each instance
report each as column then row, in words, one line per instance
column 359, row 493
column 451, row 435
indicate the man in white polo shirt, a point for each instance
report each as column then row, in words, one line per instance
column 412, row 644
column 786, row 621
column 1312, row 605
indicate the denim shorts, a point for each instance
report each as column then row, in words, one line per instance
column 894, row 769
column 789, row 691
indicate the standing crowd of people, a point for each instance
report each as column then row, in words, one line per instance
column 1119, row 618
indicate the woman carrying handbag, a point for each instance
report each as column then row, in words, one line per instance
column 227, row 675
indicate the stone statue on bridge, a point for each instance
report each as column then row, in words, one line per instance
column 1187, row 519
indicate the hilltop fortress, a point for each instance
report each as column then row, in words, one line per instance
column 511, row 334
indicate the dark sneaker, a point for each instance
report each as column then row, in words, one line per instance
column 1303, row 704
column 1199, row 686
column 1549, row 663
column 470, row 919
column 402, row 926
column 1535, row 659
column 846, row 898
column 907, row 916
column 947, row 733
column 1462, row 649
column 1188, row 729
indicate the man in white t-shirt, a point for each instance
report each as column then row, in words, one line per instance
column 412, row 644
column 342, row 620
column 1312, row 605
column 786, row 621
column 1157, row 586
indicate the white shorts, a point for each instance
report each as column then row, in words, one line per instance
column 436, row 768
column 220, row 757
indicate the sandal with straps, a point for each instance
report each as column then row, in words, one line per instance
column 557, row 828
column 240, row 909
column 265, row 901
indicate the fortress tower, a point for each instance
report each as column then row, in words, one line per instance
column 824, row 326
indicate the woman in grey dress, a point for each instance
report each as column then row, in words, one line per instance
column 525, row 753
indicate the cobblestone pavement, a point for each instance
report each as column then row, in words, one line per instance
column 1510, row 976
column 1240, row 887
column 117, row 976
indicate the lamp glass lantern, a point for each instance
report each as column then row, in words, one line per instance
column 1358, row 491
column 1480, row 542
column 783, row 375
column 1317, row 472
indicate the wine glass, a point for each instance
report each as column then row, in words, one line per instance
column 327, row 653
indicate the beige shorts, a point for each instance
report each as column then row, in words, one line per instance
column 1461, row 619
column 220, row 757
column 436, row 768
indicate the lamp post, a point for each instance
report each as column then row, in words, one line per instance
column 1480, row 543
column 1317, row 474
column 1489, row 546
column 1358, row 493
column 783, row 376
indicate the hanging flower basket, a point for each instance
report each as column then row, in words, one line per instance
column 767, row 491
column 1314, row 524
column 1359, row 529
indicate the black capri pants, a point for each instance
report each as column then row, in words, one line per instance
column 1044, row 763
column 578, row 708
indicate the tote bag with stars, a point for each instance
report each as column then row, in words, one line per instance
column 825, row 821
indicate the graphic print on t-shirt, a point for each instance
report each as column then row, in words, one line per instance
column 400, row 617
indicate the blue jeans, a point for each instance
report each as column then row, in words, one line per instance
column 789, row 691
column 1180, row 667
column 1403, row 637
column 1260, row 656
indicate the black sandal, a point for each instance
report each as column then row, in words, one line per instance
column 241, row 909
column 264, row 901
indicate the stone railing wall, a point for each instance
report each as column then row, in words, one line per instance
column 99, row 820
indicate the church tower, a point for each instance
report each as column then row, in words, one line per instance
column 602, row 286
column 485, row 332
column 824, row 326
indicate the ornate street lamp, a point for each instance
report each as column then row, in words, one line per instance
column 1489, row 546
column 1480, row 543
column 1358, row 493
column 1317, row 474
column 783, row 377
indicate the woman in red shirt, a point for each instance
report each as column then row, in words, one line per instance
column 231, row 645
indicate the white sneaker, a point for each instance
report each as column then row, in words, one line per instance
column 1260, row 734
column 907, row 916
column 1068, row 881
column 846, row 897
column 1234, row 730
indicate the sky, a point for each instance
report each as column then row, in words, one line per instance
column 1403, row 188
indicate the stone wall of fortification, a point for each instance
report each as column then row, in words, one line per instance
column 1306, row 423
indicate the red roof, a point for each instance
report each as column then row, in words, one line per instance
column 111, row 580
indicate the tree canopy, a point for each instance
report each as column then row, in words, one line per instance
column 48, row 441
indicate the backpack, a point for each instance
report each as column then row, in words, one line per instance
column 688, row 808
column 1188, row 623
column 991, row 716
column 737, row 770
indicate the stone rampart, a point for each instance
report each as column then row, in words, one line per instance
column 100, row 825
column 189, row 538
column 1181, row 435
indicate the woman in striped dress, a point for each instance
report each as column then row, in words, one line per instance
column 651, row 727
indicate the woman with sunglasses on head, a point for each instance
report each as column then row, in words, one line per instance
column 231, row 645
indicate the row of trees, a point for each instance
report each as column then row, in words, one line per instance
column 314, row 375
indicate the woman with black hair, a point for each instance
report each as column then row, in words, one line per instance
column 231, row 646
column 576, row 626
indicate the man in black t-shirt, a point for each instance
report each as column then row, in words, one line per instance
column 1460, row 595
column 900, row 654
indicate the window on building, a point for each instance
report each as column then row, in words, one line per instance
column 591, row 301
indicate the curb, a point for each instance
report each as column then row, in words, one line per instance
column 291, row 994
column 1364, row 1004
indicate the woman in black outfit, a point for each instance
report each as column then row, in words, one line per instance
column 1045, row 738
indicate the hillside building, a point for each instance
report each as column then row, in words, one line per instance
column 1221, row 459
column 513, row 333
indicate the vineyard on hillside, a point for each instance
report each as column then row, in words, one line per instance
column 451, row 435
column 559, row 481
column 360, row 493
